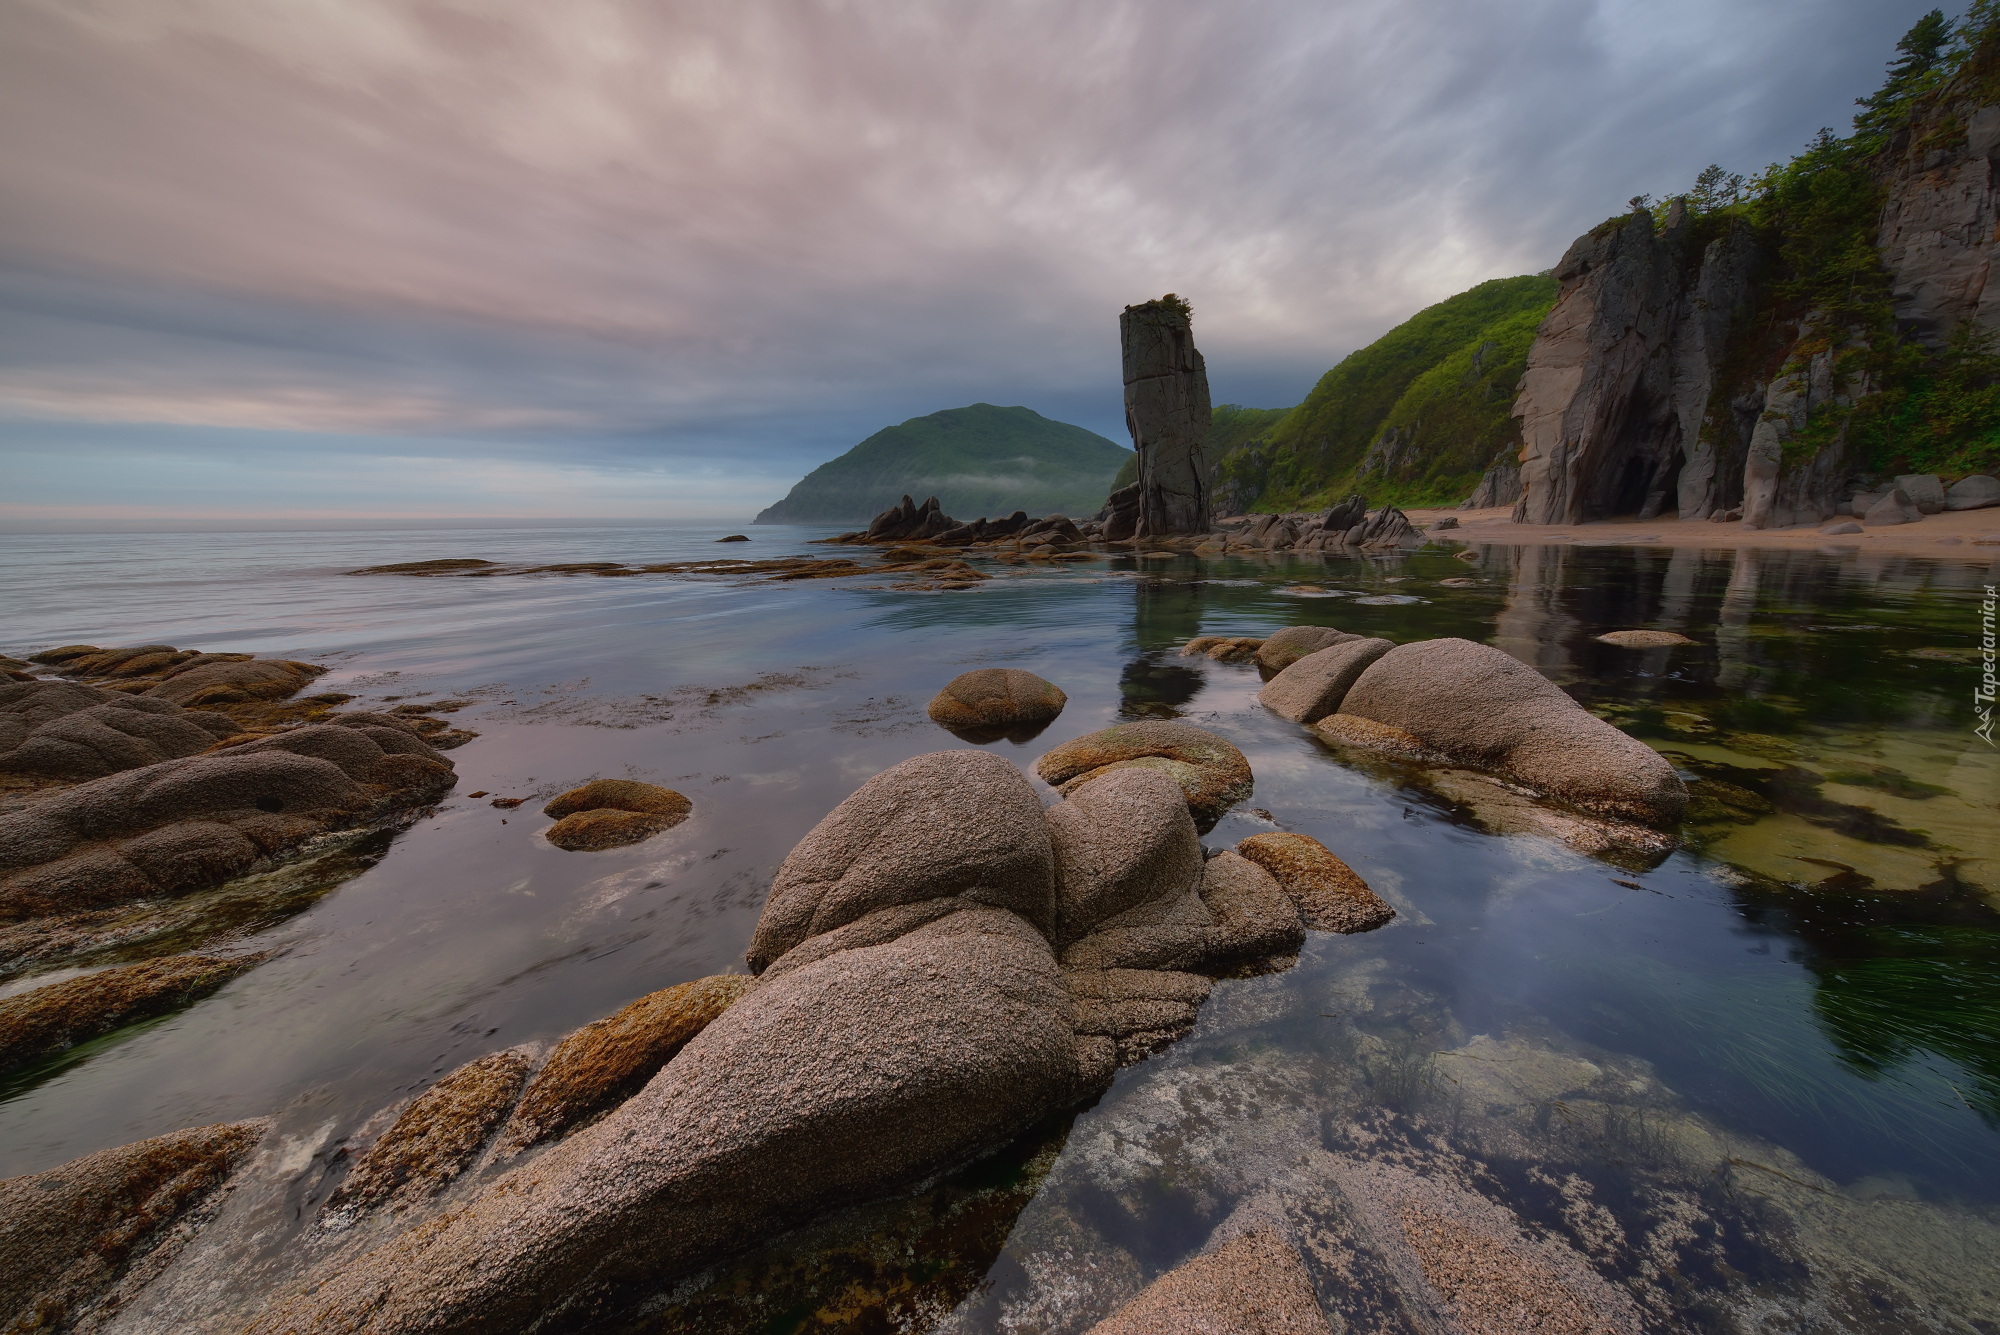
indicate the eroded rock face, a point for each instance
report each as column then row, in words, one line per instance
column 1483, row 708
column 1168, row 413
column 71, row 1233
column 1314, row 686
column 1938, row 227
column 1212, row 773
column 833, row 1082
column 950, row 824
column 990, row 703
column 1254, row 1284
column 183, row 825
column 600, row 1065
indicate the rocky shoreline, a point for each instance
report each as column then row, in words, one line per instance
column 941, row 964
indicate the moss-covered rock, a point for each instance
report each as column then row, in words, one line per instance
column 58, row 1016
column 435, row 1139
column 69, row 1234
column 1330, row 896
column 607, row 1061
column 989, row 703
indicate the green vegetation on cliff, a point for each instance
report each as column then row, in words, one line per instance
column 979, row 460
column 1415, row 417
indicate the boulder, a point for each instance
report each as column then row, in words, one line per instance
column 63, row 730
column 1121, row 844
column 1387, row 527
column 1211, row 772
column 1488, row 710
column 1346, row 515
column 69, row 1234
column 991, row 703
column 610, row 813
column 1314, row 686
column 1329, row 895
column 1286, row 647
column 607, row 1061
column 434, row 1140
column 1254, row 1284
column 1644, row 639
column 55, row 1017
column 836, row 1082
column 1894, row 508
column 223, row 683
column 183, row 825
column 1973, row 493
column 951, row 823
column 1925, row 491
column 1440, row 525
column 1257, row 926
column 1350, row 733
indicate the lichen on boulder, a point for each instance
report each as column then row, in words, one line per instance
column 1329, row 895
column 1212, row 772
column 610, row 813
column 988, row 704
column 71, row 1233
column 434, row 1140
column 608, row 1060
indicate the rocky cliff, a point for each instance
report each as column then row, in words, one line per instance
column 1167, row 409
column 1772, row 351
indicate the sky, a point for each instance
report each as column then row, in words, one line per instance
column 319, row 262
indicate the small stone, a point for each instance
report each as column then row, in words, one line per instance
column 990, row 703
column 1329, row 895
column 735, row 537
column 1841, row 529
column 1439, row 525
column 1643, row 639
column 508, row 803
column 620, row 795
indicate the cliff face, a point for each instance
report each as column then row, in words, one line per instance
column 1621, row 374
column 1685, row 366
column 1939, row 224
column 1168, row 411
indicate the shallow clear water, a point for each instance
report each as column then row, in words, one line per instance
column 1817, row 977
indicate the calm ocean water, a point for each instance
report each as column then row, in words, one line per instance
column 1799, row 984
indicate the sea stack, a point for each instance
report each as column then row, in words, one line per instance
column 1167, row 411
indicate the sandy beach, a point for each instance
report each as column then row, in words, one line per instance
column 1972, row 535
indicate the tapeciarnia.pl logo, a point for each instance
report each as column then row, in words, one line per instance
column 1982, row 695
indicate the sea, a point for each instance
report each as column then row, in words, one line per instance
column 1759, row 1077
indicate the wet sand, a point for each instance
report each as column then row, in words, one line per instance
column 1953, row 534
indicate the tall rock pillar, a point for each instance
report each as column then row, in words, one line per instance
column 1167, row 411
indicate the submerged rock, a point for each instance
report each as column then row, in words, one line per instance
column 434, row 1140
column 73, row 1232
column 605, row 1062
column 1488, row 710
column 1254, row 1284
column 990, row 703
column 1286, row 647
column 1643, row 639
column 610, row 813
column 57, row 1016
column 1314, row 686
column 1329, row 895
column 1212, row 773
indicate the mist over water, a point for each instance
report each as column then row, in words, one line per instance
column 1818, row 975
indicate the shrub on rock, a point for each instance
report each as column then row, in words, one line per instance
column 1486, row 709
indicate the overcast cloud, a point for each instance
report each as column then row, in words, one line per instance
column 506, row 257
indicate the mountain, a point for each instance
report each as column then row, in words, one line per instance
column 979, row 460
column 1412, row 418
